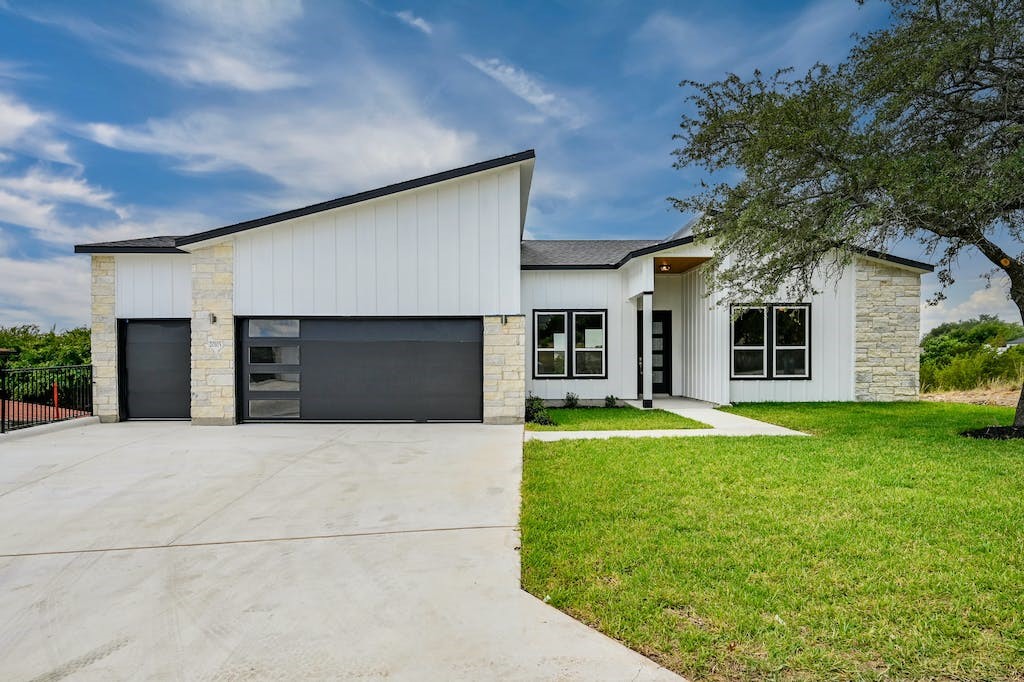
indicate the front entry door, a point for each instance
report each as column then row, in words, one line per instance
column 661, row 350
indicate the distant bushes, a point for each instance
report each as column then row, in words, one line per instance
column 36, row 348
column 960, row 356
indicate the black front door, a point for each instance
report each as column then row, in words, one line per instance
column 156, row 369
column 661, row 350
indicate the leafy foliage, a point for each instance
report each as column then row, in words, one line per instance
column 966, row 354
column 36, row 348
column 919, row 135
column 611, row 401
column 571, row 400
column 536, row 413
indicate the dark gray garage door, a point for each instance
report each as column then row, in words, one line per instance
column 156, row 368
column 315, row 369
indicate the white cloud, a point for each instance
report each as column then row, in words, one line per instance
column 71, row 189
column 235, row 45
column 419, row 23
column 689, row 47
column 313, row 153
column 531, row 90
column 992, row 300
column 45, row 292
column 25, row 129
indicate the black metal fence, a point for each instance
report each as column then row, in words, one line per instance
column 30, row 396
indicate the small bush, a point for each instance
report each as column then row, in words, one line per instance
column 982, row 368
column 611, row 401
column 571, row 399
column 536, row 413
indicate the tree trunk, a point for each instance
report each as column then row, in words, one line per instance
column 1018, row 418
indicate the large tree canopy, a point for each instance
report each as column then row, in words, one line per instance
column 918, row 134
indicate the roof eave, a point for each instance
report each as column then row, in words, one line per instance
column 108, row 249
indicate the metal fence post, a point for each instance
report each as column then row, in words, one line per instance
column 3, row 398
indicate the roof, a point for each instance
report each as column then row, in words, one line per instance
column 173, row 244
column 1016, row 342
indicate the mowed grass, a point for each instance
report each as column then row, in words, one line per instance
column 613, row 419
column 884, row 547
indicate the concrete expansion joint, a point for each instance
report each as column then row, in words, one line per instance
column 251, row 541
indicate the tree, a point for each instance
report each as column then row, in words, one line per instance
column 918, row 134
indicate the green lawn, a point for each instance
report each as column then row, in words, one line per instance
column 614, row 419
column 884, row 547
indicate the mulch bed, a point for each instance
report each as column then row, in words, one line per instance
column 996, row 432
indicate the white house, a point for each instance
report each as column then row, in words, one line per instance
column 421, row 302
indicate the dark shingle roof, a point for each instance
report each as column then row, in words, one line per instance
column 165, row 244
column 541, row 253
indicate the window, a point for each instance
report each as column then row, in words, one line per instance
column 274, row 381
column 771, row 341
column 549, row 344
column 555, row 330
column 792, row 340
column 273, row 328
column 274, row 355
column 750, row 343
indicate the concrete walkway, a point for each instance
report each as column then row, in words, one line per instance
column 163, row 551
column 721, row 423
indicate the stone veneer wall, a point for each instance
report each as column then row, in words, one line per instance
column 504, row 369
column 888, row 327
column 104, row 340
column 213, row 343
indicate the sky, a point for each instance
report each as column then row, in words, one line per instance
column 122, row 120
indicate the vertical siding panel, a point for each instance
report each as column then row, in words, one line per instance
column 407, row 261
column 366, row 261
column 469, row 246
column 427, row 252
column 262, row 273
column 489, row 264
column 303, row 268
column 386, row 217
column 509, row 235
column 347, row 269
column 281, row 258
column 448, row 246
column 243, row 275
column 325, row 282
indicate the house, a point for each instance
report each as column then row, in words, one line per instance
column 421, row 302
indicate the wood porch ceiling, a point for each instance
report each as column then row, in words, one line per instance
column 674, row 266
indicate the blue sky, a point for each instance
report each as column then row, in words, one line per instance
column 121, row 120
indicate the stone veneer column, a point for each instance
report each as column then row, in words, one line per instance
column 888, row 326
column 104, row 340
column 504, row 369
column 213, row 343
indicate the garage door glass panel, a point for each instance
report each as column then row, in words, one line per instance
column 277, row 381
column 274, row 409
column 274, row 355
column 273, row 329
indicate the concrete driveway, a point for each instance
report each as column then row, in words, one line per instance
column 167, row 551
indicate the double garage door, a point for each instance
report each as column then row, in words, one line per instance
column 318, row 369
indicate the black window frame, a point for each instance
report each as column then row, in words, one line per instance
column 769, row 342
column 570, row 345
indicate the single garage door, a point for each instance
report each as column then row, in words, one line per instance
column 156, row 369
column 316, row 369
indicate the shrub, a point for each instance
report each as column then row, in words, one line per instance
column 536, row 413
column 611, row 401
column 571, row 399
column 36, row 348
column 981, row 368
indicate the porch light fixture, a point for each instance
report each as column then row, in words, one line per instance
column 665, row 267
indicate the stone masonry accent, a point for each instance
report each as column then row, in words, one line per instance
column 213, row 342
column 104, row 340
column 888, row 326
column 504, row 369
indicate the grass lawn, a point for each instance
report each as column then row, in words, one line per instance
column 613, row 419
column 884, row 547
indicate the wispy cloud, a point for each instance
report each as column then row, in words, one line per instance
column 690, row 47
column 989, row 298
column 45, row 292
column 530, row 89
column 418, row 23
column 212, row 43
column 30, row 131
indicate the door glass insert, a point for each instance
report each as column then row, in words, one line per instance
column 276, row 381
column 274, row 409
column 275, row 355
column 273, row 329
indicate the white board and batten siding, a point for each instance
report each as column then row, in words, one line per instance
column 584, row 290
column 832, row 353
column 445, row 249
column 153, row 286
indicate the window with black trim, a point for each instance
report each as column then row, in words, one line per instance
column 570, row 344
column 771, row 341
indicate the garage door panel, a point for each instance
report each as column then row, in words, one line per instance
column 157, row 369
column 385, row 370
